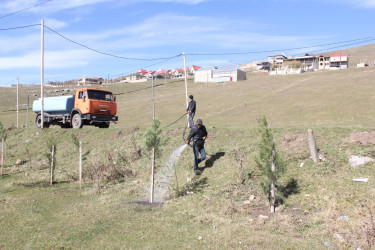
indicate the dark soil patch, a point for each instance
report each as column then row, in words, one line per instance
column 145, row 204
column 365, row 138
column 125, row 133
column 81, row 134
column 176, row 131
column 18, row 132
column 118, row 135
column 60, row 132
column 295, row 143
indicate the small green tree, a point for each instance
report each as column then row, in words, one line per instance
column 154, row 139
column 269, row 163
column 3, row 132
column 50, row 155
column 154, row 142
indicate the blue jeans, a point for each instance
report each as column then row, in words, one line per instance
column 191, row 121
column 197, row 151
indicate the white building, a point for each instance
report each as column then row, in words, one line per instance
column 90, row 81
column 339, row 61
column 277, row 60
column 222, row 74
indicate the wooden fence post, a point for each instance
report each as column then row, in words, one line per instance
column 52, row 162
column 2, row 155
column 273, row 169
column 152, row 176
column 80, row 165
column 312, row 145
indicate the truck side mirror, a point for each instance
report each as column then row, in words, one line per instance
column 114, row 99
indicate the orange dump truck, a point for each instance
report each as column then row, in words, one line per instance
column 89, row 106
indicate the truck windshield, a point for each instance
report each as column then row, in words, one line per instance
column 99, row 95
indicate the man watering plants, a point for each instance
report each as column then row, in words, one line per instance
column 199, row 134
column 191, row 110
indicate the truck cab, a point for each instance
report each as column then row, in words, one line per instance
column 93, row 107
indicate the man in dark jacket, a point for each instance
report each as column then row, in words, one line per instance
column 199, row 134
column 191, row 110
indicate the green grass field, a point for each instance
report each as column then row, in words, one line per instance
column 212, row 214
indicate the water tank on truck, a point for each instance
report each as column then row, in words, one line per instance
column 89, row 106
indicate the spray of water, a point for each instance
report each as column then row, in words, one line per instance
column 165, row 175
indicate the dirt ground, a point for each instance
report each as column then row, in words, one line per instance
column 365, row 138
column 296, row 142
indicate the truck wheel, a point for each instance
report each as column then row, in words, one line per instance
column 38, row 122
column 77, row 121
column 104, row 125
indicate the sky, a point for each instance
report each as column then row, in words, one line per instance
column 112, row 38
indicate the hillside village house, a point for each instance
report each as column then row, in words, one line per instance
column 223, row 74
column 90, row 81
column 193, row 69
column 324, row 61
column 178, row 72
column 263, row 65
column 308, row 62
column 277, row 60
column 135, row 78
column 338, row 61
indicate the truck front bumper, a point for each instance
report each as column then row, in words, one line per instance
column 100, row 118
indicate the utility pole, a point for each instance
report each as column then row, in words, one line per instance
column 42, row 74
column 153, row 99
column 18, row 82
column 153, row 148
column 340, row 59
column 186, row 92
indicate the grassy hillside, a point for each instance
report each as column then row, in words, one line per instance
column 365, row 54
column 316, row 99
column 210, row 210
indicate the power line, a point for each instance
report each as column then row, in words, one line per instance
column 137, row 90
column 145, row 67
column 108, row 54
column 269, row 51
column 25, row 9
column 20, row 27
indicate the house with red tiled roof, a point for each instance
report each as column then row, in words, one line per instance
column 142, row 71
column 178, row 72
column 339, row 61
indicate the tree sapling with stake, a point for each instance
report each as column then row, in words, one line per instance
column 269, row 163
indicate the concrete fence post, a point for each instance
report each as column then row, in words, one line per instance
column 312, row 145
column 80, row 165
column 52, row 163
